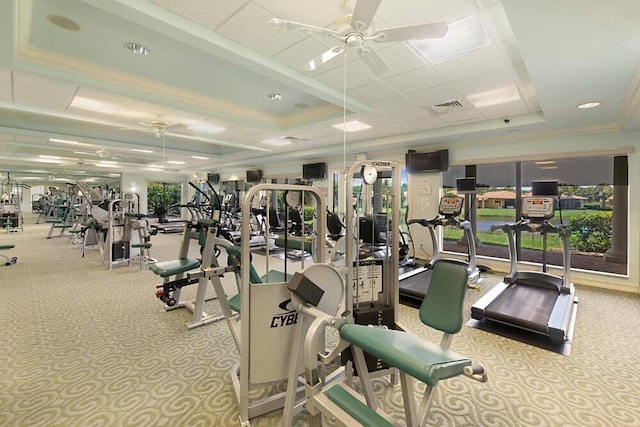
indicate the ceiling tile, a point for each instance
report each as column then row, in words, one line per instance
column 205, row 12
column 299, row 54
column 435, row 95
column 485, row 82
column 415, row 80
column 479, row 61
column 250, row 27
column 495, row 22
column 374, row 92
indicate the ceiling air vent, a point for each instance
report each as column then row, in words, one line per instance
column 446, row 107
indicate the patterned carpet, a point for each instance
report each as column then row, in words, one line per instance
column 84, row 346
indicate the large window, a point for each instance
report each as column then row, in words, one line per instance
column 593, row 201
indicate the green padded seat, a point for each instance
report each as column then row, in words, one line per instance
column 354, row 407
column 135, row 215
column 273, row 276
column 421, row 359
column 173, row 267
column 235, row 303
column 141, row 245
column 294, row 243
column 5, row 247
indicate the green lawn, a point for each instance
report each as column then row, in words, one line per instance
column 528, row 240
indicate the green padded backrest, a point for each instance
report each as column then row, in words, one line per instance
column 234, row 260
column 442, row 305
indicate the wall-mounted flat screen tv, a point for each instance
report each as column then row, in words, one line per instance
column 314, row 171
column 434, row 161
column 254, row 176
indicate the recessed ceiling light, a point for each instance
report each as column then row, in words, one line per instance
column 43, row 156
column 199, row 157
column 108, row 162
column 141, row 151
column 545, row 162
column 548, row 167
column 464, row 35
column 206, row 128
column 114, row 174
column 175, row 162
column 587, row 105
column 352, row 126
column 62, row 22
column 137, row 48
column 274, row 96
column 276, row 142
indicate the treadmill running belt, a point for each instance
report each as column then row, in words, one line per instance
column 416, row 285
column 525, row 306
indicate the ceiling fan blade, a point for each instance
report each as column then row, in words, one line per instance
column 323, row 58
column 303, row 28
column 363, row 13
column 374, row 61
column 432, row 30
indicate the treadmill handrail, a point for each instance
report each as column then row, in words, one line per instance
column 563, row 230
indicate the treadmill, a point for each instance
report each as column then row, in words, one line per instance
column 533, row 301
column 413, row 283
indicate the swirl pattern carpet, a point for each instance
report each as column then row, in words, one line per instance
column 84, row 346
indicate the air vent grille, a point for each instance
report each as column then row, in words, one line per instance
column 446, row 107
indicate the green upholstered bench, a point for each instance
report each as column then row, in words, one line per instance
column 421, row 359
column 173, row 267
column 355, row 408
column 5, row 247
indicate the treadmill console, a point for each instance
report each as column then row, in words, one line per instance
column 450, row 206
column 538, row 207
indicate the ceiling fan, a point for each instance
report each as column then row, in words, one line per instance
column 360, row 33
column 159, row 128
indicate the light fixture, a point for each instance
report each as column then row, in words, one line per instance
column 114, row 174
column 64, row 141
column 94, row 105
column 276, row 142
column 274, row 96
column 141, row 151
column 588, row 105
column 493, row 97
column 199, row 157
column 175, row 162
column 44, row 156
column 464, row 35
column 352, row 126
column 206, row 128
column 548, row 167
column 545, row 162
column 137, row 48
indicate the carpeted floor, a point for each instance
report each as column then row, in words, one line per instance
column 84, row 346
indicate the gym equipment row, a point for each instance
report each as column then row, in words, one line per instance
column 278, row 321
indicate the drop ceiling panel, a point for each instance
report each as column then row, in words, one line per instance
column 357, row 75
column 396, row 104
column 415, row 80
column 205, row 12
column 400, row 58
column 317, row 13
column 299, row 54
column 435, row 95
column 495, row 22
column 470, row 64
column 250, row 27
column 374, row 92
column 409, row 12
